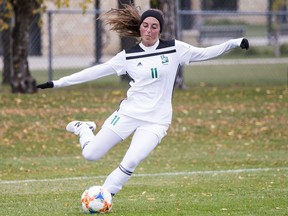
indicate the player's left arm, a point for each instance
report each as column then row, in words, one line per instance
column 202, row 54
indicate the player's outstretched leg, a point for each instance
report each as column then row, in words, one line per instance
column 76, row 126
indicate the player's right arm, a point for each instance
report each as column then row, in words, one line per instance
column 114, row 66
column 83, row 76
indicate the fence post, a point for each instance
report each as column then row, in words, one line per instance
column 269, row 21
column 50, row 67
column 178, row 23
column 98, row 33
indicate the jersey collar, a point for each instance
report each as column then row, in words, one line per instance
column 151, row 48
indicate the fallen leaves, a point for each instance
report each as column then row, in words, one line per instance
column 235, row 120
column 38, row 122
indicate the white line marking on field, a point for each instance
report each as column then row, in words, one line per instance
column 149, row 175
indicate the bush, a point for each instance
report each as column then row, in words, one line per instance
column 284, row 49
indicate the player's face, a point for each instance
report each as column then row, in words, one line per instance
column 149, row 31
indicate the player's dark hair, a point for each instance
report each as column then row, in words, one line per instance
column 124, row 21
column 127, row 20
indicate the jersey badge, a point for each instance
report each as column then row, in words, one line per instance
column 164, row 59
column 139, row 64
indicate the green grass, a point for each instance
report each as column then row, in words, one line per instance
column 228, row 118
column 242, row 75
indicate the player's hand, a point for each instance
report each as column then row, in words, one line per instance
column 46, row 85
column 244, row 44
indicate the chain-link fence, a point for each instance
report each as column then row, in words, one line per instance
column 71, row 39
column 207, row 27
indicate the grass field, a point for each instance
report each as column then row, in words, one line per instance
column 226, row 152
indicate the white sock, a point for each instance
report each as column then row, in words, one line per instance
column 117, row 179
column 139, row 149
column 86, row 135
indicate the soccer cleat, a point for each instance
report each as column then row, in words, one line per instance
column 76, row 126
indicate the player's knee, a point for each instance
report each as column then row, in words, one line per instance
column 90, row 156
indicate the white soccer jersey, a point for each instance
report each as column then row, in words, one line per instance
column 153, row 72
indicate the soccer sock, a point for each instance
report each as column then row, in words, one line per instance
column 138, row 150
column 117, row 179
column 86, row 135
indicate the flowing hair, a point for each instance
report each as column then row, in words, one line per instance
column 125, row 21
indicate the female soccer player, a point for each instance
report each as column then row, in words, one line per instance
column 146, row 112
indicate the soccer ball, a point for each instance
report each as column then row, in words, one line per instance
column 96, row 200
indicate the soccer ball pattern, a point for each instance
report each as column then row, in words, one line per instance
column 96, row 200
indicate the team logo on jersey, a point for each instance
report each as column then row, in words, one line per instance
column 164, row 59
column 139, row 64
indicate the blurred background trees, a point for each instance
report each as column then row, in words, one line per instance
column 16, row 17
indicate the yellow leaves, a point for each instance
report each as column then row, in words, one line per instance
column 84, row 4
column 6, row 15
column 116, row 93
column 18, row 101
column 231, row 133
column 3, row 25
column 185, row 112
column 258, row 123
column 148, row 197
column 67, row 204
column 261, row 115
column 62, row 3
column 207, row 194
column 278, row 4
column 6, row 141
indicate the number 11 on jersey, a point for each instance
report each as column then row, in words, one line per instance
column 154, row 73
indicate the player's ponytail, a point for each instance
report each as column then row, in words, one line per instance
column 125, row 21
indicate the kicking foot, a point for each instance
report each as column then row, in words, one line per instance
column 76, row 126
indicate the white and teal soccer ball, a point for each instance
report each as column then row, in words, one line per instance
column 96, row 200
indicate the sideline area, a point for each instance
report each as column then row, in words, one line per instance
column 213, row 172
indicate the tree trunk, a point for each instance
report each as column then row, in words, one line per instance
column 169, row 9
column 7, row 60
column 6, row 43
column 169, row 31
column 22, row 81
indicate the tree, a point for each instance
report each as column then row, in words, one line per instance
column 169, row 9
column 274, row 22
column 21, row 79
column 16, row 51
